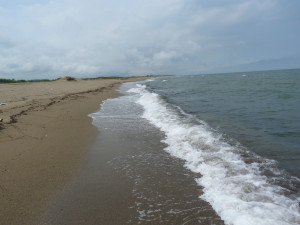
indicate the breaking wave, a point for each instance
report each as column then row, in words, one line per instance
column 243, row 188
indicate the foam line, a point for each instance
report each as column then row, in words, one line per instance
column 239, row 191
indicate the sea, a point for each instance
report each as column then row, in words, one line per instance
column 237, row 133
column 197, row 149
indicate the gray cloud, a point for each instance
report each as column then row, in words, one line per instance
column 134, row 37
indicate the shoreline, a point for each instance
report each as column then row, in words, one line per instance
column 129, row 178
column 44, row 140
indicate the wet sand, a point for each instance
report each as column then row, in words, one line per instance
column 44, row 137
column 124, row 183
column 129, row 179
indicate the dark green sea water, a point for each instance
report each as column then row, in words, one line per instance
column 259, row 110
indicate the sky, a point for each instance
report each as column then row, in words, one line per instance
column 88, row 38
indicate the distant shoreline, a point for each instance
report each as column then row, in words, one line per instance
column 13, row 81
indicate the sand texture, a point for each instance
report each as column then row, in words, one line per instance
column 44, row 137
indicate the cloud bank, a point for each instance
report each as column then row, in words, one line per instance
column 138, row 37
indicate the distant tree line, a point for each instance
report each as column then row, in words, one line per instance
column 7, row 81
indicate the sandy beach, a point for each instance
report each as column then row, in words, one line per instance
column 44, row 136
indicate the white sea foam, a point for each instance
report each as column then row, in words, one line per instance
column 238, row 191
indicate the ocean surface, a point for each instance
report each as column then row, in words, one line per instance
column 229, row 140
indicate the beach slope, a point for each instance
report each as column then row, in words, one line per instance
column 44, row 136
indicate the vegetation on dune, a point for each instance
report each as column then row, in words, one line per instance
column 68, row 78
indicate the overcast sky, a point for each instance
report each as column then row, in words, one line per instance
column 83, row 38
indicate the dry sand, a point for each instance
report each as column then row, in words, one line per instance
column 43, row 140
